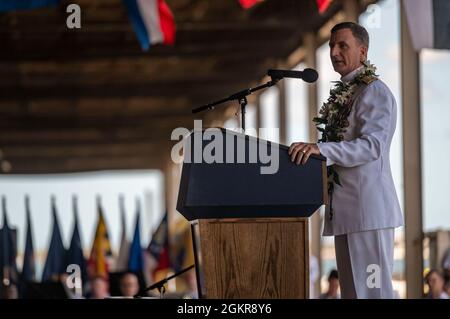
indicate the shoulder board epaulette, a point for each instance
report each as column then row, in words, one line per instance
column 369, row 79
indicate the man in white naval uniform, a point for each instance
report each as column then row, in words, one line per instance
column 365, row 208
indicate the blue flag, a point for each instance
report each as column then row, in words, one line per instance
column 11, row 5
column 28, row 269
column 55, row 263
column 8, row 251
column 75, row 253
column 135, row 260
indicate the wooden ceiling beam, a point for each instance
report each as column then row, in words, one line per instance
column 81, row 136
column 34, row 27
column 32, row 51
column 142, row 149
column 25, row 134
column 82, row 164
column 175, row 89
column 73, row 123
column 95, row 108
column 79, row 45
column 143, row 73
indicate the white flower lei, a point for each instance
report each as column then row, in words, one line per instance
column 333, row 115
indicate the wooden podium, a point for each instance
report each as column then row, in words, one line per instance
column 250, row 230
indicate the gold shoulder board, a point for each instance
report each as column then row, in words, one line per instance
column 369, row 79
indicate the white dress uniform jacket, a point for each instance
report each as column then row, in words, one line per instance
column 367, row 199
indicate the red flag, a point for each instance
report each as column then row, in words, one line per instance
column 247, row 4
column 159, row 249
column 167, row 22
column 323, row 5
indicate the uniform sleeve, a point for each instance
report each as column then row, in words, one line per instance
column 374, row 109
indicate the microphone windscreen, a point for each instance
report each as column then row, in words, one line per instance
column 310, row 75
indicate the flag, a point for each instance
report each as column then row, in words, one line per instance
column 136, row 261
column 10, row 5
column 8, row 252
column 55, row 262
column 124, row 249
column 429, row 23
column 28, row 268
column 323, row 5
column 98, row 264
column 247, row 4
column 158, row 249
column 181, row 246
column 152, row 21
column 75, row 253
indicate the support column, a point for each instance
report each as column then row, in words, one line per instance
column 313, row 102
column 316, row 220
column 351, row 10
column 258, row 113
column 172, row 174
column 412, row 166
column 282, row 111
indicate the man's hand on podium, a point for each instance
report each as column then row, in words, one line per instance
column 300, row 152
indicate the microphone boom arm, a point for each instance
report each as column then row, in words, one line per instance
column 160, row 284
column 308, row 75
column 241, row 96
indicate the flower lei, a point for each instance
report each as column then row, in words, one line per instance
column 332, row 121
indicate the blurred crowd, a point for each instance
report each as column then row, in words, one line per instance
column 124, row 285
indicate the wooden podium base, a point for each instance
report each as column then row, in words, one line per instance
column 252, row 257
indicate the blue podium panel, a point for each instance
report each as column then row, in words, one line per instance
column 232, row 175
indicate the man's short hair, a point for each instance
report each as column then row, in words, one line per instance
column 333, row 274
column 358, row 31
column 431, row 272
column 99, row 277
column 127, row 274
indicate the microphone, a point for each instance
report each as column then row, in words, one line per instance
column 307, row 75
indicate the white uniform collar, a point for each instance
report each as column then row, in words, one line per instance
column 350, row 76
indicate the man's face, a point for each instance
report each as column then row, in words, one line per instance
column 129, row 285
column 334, row 286
column 436, row 283
column 346, row 51
column 99, row 288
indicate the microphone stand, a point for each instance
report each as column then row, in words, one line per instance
column 160, row 284
column 240, row 96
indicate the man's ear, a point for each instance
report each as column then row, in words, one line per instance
column 363, row 53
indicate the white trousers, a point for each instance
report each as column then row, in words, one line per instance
column 365, row 261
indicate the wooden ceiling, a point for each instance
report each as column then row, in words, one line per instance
column 90, row 98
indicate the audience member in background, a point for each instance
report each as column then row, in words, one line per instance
column 99, row 288
column 435, row 282
column 447, row 288
column 446, row 265
column 313, row 276
column 333, row 286
column 191, row 284
column 129, row 285
column 10, row 292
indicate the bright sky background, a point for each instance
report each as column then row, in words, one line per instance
column 148, row 185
